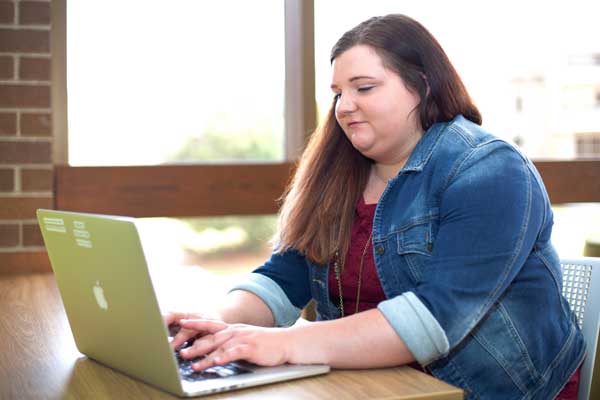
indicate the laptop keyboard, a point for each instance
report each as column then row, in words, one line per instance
column 216, row 372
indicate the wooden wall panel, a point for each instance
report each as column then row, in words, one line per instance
column 242, row 189
column 172, row 191
column 571, row 181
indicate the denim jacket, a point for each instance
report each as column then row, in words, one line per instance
column 461, row 241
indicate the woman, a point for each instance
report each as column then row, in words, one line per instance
column 421, row 237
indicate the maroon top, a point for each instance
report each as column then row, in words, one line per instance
column 371, row 292
column 569, row 392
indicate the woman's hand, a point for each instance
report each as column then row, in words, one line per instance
column 223, row 343
column 181, row 335
column 373, row 343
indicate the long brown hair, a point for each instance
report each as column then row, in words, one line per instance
column 319, row 204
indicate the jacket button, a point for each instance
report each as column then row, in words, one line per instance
column 380, row 249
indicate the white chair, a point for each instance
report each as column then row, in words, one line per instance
column 581, row 288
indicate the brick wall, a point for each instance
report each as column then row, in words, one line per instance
column 26, row 173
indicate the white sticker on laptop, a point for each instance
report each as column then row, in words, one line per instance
column 55, row 225
column 81, row 233
column 79, row 224
column 84, row 243
column 82, row 236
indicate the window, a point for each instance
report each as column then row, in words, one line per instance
column 223, row 245
column 588, row 145
column 183, row 82
column 148, row 83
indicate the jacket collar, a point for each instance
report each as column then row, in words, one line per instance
column 424, row 149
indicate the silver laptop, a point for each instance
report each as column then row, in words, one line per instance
column 107, row 291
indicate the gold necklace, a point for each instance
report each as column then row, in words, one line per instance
column 338, row 277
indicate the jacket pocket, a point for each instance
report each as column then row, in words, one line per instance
column 415, row 242
column 416, row 239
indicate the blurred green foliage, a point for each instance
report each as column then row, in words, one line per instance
column 257, row 231
column 229, row 137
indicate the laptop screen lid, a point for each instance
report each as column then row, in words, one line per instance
column 107, row 292
column 111, row 305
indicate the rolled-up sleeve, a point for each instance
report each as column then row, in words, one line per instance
column 417, row 327
column 282, row 283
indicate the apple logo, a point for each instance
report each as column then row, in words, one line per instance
column 99, row 295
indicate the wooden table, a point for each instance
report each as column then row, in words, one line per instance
column 39, row 360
